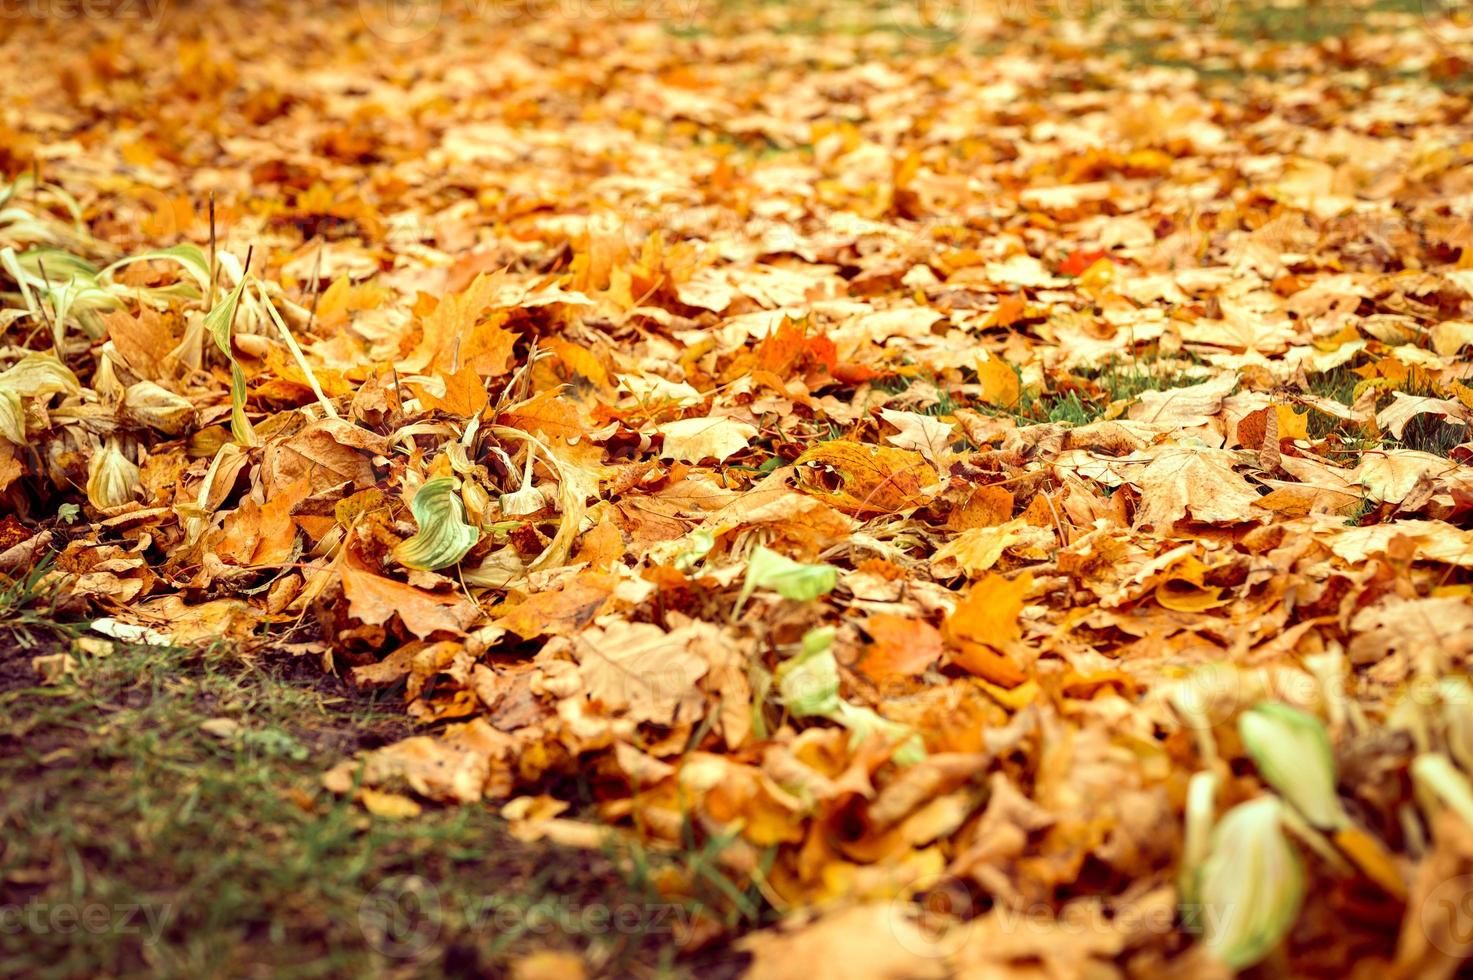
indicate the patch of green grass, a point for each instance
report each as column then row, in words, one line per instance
column 1430, row 434
column 31, row 609
column 1079, row 400
column 1363, row 510
column 1073, row 410
column 1087, row 396
column 929, row 395
column 1337, row 384
column 1255, row 24
column 1303, row 23
column 712, row 891
column 1127, row 379
column 1426, row 433
column 214, row 852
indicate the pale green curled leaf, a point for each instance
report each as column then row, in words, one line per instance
column 701, row 543
column 218, row 320
column 767, row 569
column 112, row 478
column 1456, row 695
column 296, row 352
column 39, row 375
column 1292, row 751
column 864, row 722
column 53, row 265
column 1434, row 773
column 157, row 407
column 12, row 417
column 10, row 263
column 217, row 324
column 1197, row 836
column 191, row 257
column 240, row 426
column 808, row 684
column 1251, row 885
column 24, row 222
column 69, row 284
column 41, row 191
column 444, row 536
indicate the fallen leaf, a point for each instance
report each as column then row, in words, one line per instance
column 714, row 437
column 571, row 606
column 374, row 600
column 640, row 670
column 999, row 383
column 1196, row 483
column 1185, row 407
column 975, row 550
column 925, row 434
column 392, row 806
column 984, row 626
column 871, row 479
column 899, row 646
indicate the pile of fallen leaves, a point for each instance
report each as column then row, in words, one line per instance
column 978, row 472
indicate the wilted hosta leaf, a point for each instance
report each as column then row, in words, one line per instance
column 112, row 477
column 218, row 324
column 1293, row 754
column 808, row 683
column 444, row 537
column 1250, row 885
column 766, row 569
column 156, row 406
column 12, row 417
column 38, row 375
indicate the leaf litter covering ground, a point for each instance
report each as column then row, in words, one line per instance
column 1015, row 501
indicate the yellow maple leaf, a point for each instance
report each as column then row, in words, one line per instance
column 975, row 550
column 984, row 625
column 999, row 382
column 872, row 479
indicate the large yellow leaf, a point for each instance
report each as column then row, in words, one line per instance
column 1000, row 384
column 870, row 479
column 1195, row 482
column 714, row 437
